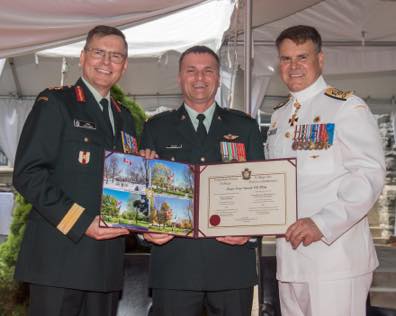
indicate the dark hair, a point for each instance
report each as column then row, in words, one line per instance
column 105, row 30
column 299, row 34
column 199, row 49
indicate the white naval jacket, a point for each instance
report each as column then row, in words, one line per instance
column 336, row 186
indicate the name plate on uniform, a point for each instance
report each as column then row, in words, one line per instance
column 197, row 201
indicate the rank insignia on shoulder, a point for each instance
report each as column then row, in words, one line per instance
column 83, row 157
column 42, row 98
column 55, row 88
column 338, row 94
column 230, row 137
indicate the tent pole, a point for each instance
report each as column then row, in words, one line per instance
column 248, row 56
column 16, row 79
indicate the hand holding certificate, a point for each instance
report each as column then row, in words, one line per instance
column 233, row 199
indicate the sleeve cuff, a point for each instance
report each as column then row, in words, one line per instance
column 323, row 229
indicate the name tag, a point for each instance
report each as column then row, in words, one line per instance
column 272, row 131
column 84, row 124
column 174, row 147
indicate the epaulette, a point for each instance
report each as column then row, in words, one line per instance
column 239, row 113
column 338, row 94
column 160, row 115
column 279, row 105
column 42, row 98
column 59, row 88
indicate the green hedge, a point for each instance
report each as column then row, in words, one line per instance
column 14, row 295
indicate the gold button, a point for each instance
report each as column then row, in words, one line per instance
column 203, row 159
column 86, row 139
column 287, row 134
column 172, row 159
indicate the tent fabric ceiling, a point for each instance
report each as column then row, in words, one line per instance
column 268, row 11
column 171, row 32
column 341, row 20
column 337, row 20
column 27, row 26
column 364, row 24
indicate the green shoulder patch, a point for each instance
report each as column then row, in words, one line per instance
column 338, row 94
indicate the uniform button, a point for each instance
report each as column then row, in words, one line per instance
column 86, row 139
column 287, row 134
column 203, row 159
column 172, row 159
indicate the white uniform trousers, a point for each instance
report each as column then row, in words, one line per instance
column 345, row 297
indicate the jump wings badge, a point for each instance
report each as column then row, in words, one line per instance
column 230, row 137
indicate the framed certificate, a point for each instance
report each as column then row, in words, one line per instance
column 198, row 201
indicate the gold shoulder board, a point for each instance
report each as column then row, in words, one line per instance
column 338, row 94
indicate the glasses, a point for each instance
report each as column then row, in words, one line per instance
column 97, row 53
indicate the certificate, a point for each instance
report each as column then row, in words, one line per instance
column 198, row 200
column 249, row 198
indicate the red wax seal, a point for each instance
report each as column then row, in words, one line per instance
column 214, row 220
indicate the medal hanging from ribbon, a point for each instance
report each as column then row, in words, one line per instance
column 313, row 136
column 232, row 151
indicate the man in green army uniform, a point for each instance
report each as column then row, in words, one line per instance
column 216, row 275
column 73, row 266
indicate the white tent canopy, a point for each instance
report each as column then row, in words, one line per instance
column 28, row 74
column 30, row 33
column 359, row 43
column 175, row 32
column 27, row 26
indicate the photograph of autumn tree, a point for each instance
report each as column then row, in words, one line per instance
column 142, row 195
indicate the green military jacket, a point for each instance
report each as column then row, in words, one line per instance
column 201, row 264
column 58, row 169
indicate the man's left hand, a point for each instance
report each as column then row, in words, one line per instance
column 233, row 240
column 148, row 153
column 303, row 230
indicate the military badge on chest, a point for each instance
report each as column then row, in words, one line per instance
column 313, row 136
column 231, row 149
column 83, row 157
column 129, row 143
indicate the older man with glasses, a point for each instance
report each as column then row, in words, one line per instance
column 74, row 266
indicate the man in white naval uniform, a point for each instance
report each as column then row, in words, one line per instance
column 326, row 259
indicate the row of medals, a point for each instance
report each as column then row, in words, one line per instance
column 311, row 137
